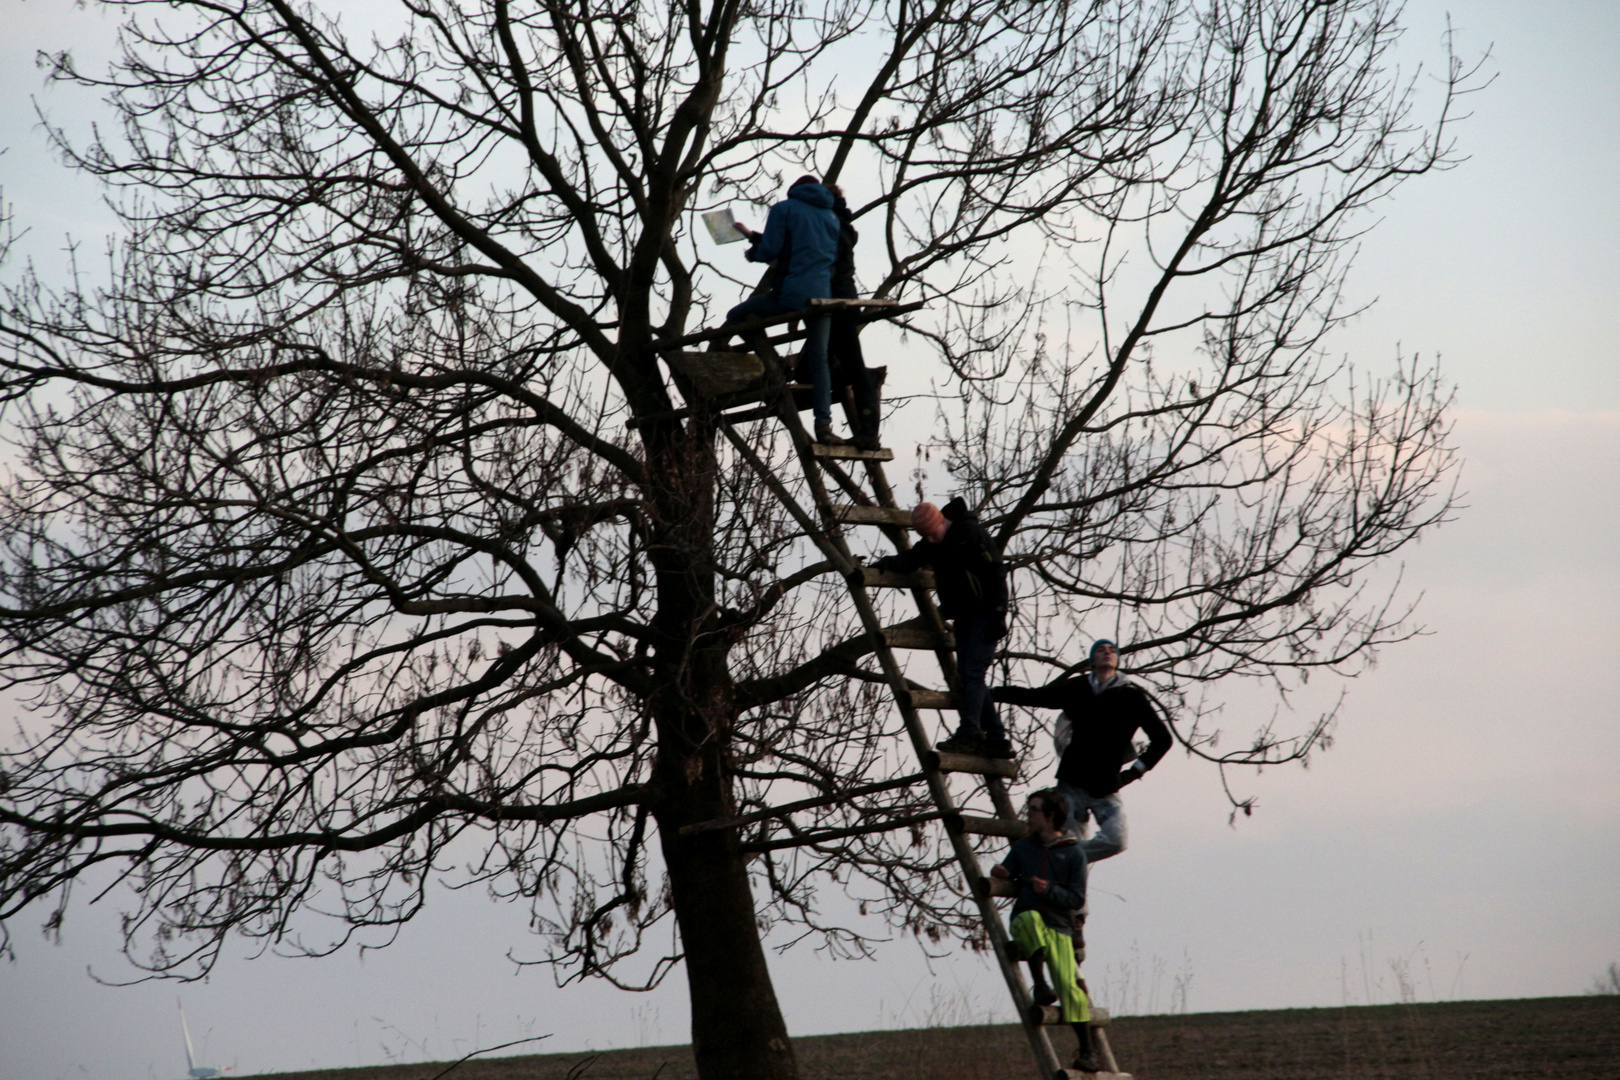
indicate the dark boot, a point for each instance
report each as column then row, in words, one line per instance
column 966, row 741
column 1043, row 994
column 868, row 408
column 825, row 436
column 994, row 747
column 1086, row 1060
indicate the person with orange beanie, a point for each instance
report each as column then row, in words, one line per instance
column 972, row 584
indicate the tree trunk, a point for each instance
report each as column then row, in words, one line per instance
column 737, row 1027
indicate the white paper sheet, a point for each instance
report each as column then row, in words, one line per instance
column 722, row 226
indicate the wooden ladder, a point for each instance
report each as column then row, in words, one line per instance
column 730, row 378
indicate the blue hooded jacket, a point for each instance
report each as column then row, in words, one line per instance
column 804, row 228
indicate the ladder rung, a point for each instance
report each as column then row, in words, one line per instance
column 944, row 762
column 851, row 452
column 1053, row 1014
column 1076, row 1074
column 912, row 634
column 1005, row 888
column 932, row 699
column 872, row 515
column 888, row 579
column 990, row 826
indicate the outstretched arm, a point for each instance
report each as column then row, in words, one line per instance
column 1058, row 695
column 908, row 561
column 768, row 244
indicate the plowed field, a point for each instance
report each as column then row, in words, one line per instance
column 1565, row 1038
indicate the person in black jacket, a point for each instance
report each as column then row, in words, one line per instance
column 849, row 362
column 1101, row 713
column 972, row 586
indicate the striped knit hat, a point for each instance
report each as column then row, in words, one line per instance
column 927, row 519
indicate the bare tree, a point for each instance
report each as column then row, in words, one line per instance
column 355, row 534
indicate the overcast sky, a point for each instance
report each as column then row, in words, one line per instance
column 1462, row 836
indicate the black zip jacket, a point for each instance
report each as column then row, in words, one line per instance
column 1103, row 726
column 967, row 568
column 843, row 274
column 1062, row 866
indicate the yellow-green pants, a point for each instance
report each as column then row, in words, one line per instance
column 1033, row 936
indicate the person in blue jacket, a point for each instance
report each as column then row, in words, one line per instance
column 801, row 237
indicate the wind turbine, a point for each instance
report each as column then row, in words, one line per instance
column 193, row 1070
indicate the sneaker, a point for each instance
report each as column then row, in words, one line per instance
column 963, row 742
column 1001, row 749
column 825, row 436
column 867, row 442
column 1045, row 995
column 1086, row 1059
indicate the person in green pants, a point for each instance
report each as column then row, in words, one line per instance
column 1049, row 867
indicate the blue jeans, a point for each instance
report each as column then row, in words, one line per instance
column 975, row 647
column 764, row 306
column 1109, row 813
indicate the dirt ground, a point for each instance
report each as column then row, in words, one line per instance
column 1575, row 1038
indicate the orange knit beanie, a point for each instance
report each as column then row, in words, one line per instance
column 927, row 519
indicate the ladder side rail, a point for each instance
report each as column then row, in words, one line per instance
column 1045, row 1055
